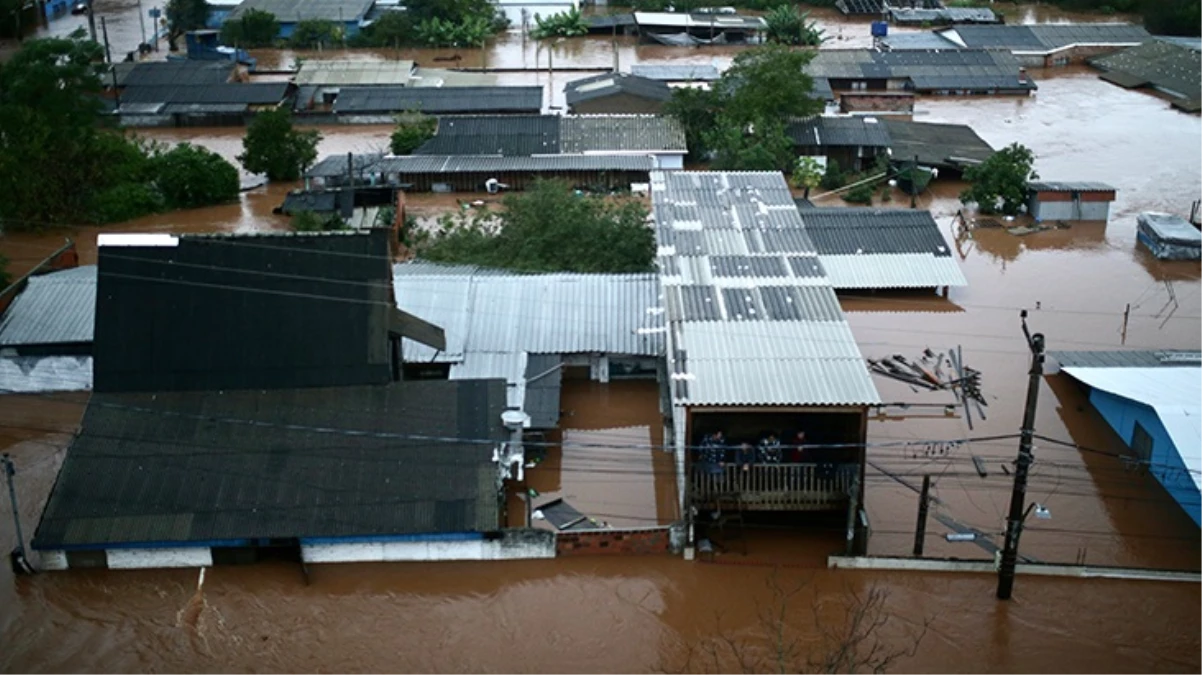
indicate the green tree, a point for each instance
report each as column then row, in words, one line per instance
column 757, row 146
column 5, row 278
column 768, row 82
column 412, row 129
column 272, row 147
column 189, row 176
column 392, row 29
column 1000, row 182
column 308, row 221
column 1173, row 17
column 183, row 16
column 807, row 174
column 456, row 12
column 549, row 229
column 564, row 24
column 470, row 32
column 697, row 112
column 789, row 25
column 254, row 28
column 315, row 34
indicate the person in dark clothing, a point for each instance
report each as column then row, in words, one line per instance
column 769, row 450
column 745, row 456
column 800, row 453
column 713, row 452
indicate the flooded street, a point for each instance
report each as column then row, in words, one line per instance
column 610, row 614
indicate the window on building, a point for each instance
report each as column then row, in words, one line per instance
column 1141, row 443
column 87, row 560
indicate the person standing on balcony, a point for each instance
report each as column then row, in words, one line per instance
column 769, row 450
column 800, row 454
column 713, row 452
column 745, row 456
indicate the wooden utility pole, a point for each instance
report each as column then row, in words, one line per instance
column 1018, row 498
column 924, row 501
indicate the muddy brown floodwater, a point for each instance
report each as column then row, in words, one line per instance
column 629, row 614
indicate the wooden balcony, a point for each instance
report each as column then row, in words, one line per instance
column 774, row 487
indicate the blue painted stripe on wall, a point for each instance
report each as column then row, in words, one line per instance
column 152, row 544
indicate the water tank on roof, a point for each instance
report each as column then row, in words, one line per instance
column 880, row 29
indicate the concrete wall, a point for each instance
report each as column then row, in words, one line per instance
column 650, row 541
column 146, row 558
column 513, row 545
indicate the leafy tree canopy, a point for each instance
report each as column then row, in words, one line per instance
column 1000, row 182
column 183, row 16
column 788, row 25
column 412, row 129
column 255, row 28
column 564, row 24
column 272, row 147
column 189, row 176
column 456, row 11
column 549, row 228
column 470, row 32
column 315, row 33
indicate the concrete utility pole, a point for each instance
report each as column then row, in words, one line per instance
column 108, row 54
column 142, row 24
column 92, row 21
column 1018, row 498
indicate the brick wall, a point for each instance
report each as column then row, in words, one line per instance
column 613, row 542
column 876, row 103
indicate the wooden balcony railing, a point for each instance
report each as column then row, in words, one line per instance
column 774, row 487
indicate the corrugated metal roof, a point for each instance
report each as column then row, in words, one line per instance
column 44, row 374
column 752, row 321
column 438, row 100
column 351, row 73
column 927, row 69
column 294, row 11
column 937, row 145
column 1128, row 359
column 877, row 6
column 544, row 378
column 892, row 270
column 173, row 73
column 144, row 469
column 621, row 133
column 830, row 131
column 1048, row 37
column 903, row 41
column 1166, row 65
column 675, row 73
column 1081, row 186
column 507, row 135
column 257, row 93
column 335, row 165
column 55, row 308
column 903, row 15
column 608, row 84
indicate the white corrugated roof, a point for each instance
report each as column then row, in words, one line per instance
column 1175, row 393
column 754, row 319
column 892, row 270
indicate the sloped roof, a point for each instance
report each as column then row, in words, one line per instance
column 438, row 100
column 306, row 463
column 335, row 165
column 1165, row 65
column 1046, row 37
column 293, row 11
column 55, row 308
column 258, row 93
column 937, row 145
column 927, row 69
column 194, row 312
column 753, row 319
column 608, row 84
column 620, row 133
column 905, row 15
column 1066, row 186
column 876, row 6
column 44, row 374
column 1128, row 359
column 173, row 73
column 505, row 135
column 829, row 132
column 352, row 73
column 675, row 72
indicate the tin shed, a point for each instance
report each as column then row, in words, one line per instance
column 1069, row 201
column 1169, row 237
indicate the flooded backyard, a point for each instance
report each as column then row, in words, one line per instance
column 630, row 614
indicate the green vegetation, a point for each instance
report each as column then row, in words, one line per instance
column 183, row 16
column 308, row 221
column 5, row 278
column 807, row 173
column 833, row 178
column 740, row 121
column 412, row 129
column 691, row 5
column 564, row 24
column 788, row 25
column 315, row 34
column 470, row 32
column 392, row 29
column 1000, row 183
column 272, row 147
column 254, row 28
column 860, row 194
column 435, row 23
column 60, row 166
column 549, row 228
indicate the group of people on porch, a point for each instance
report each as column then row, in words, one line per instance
column 715, row 451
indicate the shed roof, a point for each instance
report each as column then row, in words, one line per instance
column 1165, row 65
column 211, row 466
column 173, row 73
column 294, row 11
column 877, row 6
column 862, row 248
column 506, row 135
column 335, row 165
column 1061, row 186
column 438, row 100
column 675, row 72
column 927, row 69
column 55, row 308
column 937, row 145
column 1128, row 359
column 608, row 84
column 620, row 133
column 686, row 20
column 352, row 73
column 258, row 93
column 829, row 131
column 1044, row 38
column 753, row 319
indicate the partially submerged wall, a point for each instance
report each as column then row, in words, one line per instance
column 643, row 541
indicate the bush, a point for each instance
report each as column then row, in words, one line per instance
column 272, row 147
column 860, row 194
column 308, row 221
column 125, row 201
column 833, row 178
column 470, row 32
column 563, row 24
column 189, row 176
column 412, row 130
column 392, row 29
column 255, row 28
column 315, row 33
column 788, row 25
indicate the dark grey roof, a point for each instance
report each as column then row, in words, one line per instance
column 1081, row 186
column 937, row 145
column 438, row 100
column 335, row 165
column 293, row 11
column 844, row 231
column 927, row 70
column 196, row 312
column 675, row 73
column 174, row 73
column 955, row 15
column 608, row 84
column 916, row 41
column 317, row 202
column 830, row 132
column 259, row 93
column 55, row 308
column 620, row 133
column 1049, row 37
column 544, row 377
column 609, row 21
column 517, row 135
column 1164, row 65
column 1127, row 359
column 875, row 6
column 305, row 463
column 822, row 89
column 1194, row 43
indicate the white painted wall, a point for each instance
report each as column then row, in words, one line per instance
column 425, row 551
column 53, row 560
column 669, row 162
column 145, row 558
